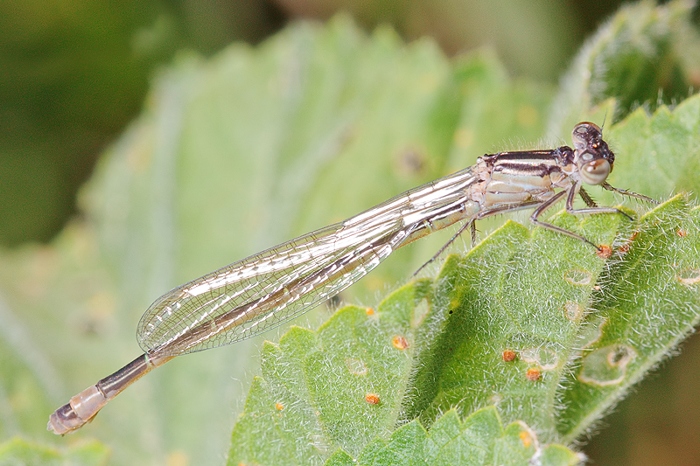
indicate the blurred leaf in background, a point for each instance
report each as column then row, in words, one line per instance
column 73, row 74
column 519, row 31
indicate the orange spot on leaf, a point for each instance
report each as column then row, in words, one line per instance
column 399, row 342
column 509, row 355
column 533, row 374
column 604, row 252
column 525, row 438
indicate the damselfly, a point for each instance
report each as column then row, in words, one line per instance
column 260, row 292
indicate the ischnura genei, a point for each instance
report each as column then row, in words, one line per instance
column 264, row 290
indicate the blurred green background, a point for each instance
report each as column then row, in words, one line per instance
column 74, row 74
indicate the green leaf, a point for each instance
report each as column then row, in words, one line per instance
column 480, row 439
column 21, row 452
column 665, row 146
column 313, row 394
column 644, row 55
column 648, row 302
column 553, row 302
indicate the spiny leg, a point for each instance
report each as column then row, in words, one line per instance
column 589, row 210
column 571, row 195
column 470, row 224
column 607, row 186
column 534, row 218
column 587, row 198
column 592, row 208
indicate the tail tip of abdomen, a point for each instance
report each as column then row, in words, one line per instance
column 64, row 420
column 81, row 409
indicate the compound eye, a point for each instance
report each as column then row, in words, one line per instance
column 585, row 133
column 595, row 172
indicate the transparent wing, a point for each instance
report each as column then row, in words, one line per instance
column 264, row 290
